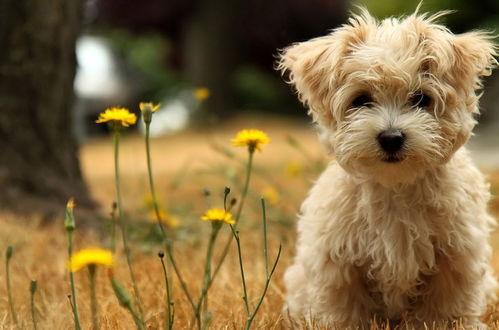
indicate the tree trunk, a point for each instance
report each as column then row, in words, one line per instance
column 211, row 54
column 39, row 168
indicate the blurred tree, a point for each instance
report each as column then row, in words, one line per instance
column 212, row 39
column 39, row 168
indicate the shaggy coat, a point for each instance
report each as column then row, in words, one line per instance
column 397, row 235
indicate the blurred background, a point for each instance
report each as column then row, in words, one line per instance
column 159, row 50
column 208, row 62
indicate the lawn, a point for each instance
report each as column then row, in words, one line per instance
column 186, row 165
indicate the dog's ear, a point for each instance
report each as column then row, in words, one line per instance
column 314, row 66
column 310, row 66
column 474, row 56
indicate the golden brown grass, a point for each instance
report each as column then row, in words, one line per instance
column 184, row 164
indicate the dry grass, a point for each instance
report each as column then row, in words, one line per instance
column 184, row 164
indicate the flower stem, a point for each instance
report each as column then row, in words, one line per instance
column 121, row 221
column 32, row 291
column 167, row 241
column 72, row 282
column 169, row 302
column 215, row 228
column 265, row 247
column 93, row 298
column 113, row 227
column 249, row 166
column 151, row 182
column 241, row 268
column 225, row 250
column 126, row 301
column 8, row 256
column 264, row 292
column 268, row 276
column 183, row 285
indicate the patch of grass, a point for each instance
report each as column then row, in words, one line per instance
column 185, row 165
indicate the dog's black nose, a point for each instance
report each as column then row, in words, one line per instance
column 391, row 140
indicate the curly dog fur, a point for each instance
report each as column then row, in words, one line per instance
column 397, row 225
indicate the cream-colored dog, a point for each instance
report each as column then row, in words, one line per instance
column 396, row 227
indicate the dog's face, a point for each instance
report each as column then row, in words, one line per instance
column 392, row 98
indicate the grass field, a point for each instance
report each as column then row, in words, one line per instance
column 184, row 165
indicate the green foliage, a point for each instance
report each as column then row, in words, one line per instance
column 468, row 14
column 147, row 54
column 262, row 90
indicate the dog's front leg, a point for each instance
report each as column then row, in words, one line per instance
column 338, row 296
column 456, row 294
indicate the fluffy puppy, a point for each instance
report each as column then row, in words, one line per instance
column 396, row 227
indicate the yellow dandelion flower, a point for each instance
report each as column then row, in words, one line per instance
column 271, row 195
column 293, row 169
column 121, row 116
column 251, row 138
column 202, row 93
column 218, row 214
column 88, row 257
column 165, row 217
column 149, row 106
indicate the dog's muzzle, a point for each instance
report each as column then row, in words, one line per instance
column 391, row 142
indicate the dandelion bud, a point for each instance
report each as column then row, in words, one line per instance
column 226, row 191
column 9, row 252
column 69, row 220
column 161, row 254
column 147, row 116
column 233, row 202
column 147, row 109
column 123, row 297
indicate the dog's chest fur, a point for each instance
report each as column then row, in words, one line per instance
column 396, row 237
column 399, row 249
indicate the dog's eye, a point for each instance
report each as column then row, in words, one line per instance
column 362, row 100
column 420, row 100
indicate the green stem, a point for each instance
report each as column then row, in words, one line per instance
column 241, row 269
column 9, row 292
column 121, row 221
column 265, row 248
column 136, row 317
column 169, row 302
column 151, row 182
column 113, row 227
column 168, row 243
column 32, row 290
column 249, row 165
column 183, row 285
column 267, row 282
column 163, row 232
column 268, row 276
column 93, row 298
column 126, row 301
column 225, row 250
column 72, row 283
column 215, row 228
